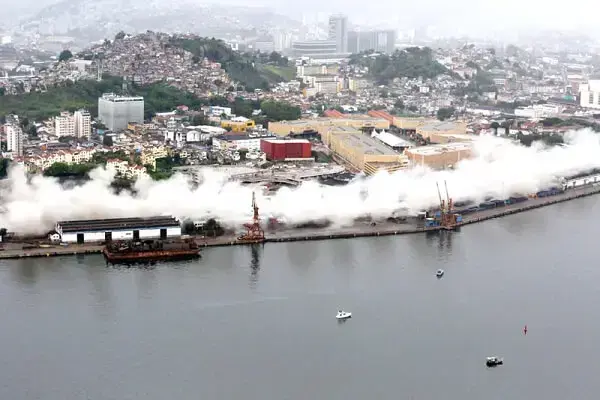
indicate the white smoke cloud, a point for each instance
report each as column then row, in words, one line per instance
column 500, row 168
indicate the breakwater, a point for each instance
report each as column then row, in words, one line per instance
column 15, row 250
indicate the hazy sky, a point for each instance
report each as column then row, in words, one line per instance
column 469, row 16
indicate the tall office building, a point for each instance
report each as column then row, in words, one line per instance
column 14, row 136
column 381, row 41
column 338, row 32
column 117, row 111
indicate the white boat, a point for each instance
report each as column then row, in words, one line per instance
column 439, row 273
column 343, row 315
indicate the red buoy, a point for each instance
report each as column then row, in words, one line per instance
column 525, row 330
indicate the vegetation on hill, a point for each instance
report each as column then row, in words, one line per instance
column 413, row 62
column 71, row 96
column 271, row 110
column 253, row 71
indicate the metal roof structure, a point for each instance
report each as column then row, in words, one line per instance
column 117, row 224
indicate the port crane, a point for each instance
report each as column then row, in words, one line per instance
column 254, row 232
column 447, row 219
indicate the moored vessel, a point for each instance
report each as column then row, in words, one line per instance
column 150, row 250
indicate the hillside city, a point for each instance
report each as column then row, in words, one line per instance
column 151, row 104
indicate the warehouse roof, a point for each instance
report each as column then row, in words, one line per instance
column 117, row 224
column 440, row 148
column 286, row 140
column 392, row 140
column 365, row 143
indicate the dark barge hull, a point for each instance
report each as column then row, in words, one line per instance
column 150, row 256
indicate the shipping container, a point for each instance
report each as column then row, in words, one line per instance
column 459, row 218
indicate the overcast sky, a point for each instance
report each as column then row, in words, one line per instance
column 468, row 16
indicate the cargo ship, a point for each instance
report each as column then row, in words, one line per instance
column 125, row 252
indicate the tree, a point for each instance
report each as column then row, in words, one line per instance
column 120, row 36
column 198, row 119
column 399, row 104
column 495, row 127
column 65, row 55
column 445, row 113
column 107, row 140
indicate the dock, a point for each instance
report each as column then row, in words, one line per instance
column 16, row 250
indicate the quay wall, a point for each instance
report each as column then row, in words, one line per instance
column 328, row 233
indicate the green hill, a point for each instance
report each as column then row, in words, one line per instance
column 413, row 62
column 84, row 94
column 252, row 71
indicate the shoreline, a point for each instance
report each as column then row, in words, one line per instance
column 381, row 229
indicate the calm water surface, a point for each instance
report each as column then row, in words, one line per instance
column 258, row 323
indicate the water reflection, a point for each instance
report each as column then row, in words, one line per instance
column 27, row 272
column 255, row 255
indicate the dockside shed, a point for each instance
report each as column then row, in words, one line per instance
column 104, row 230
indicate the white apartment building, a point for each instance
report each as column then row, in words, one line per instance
column 590, row 94
column 83, row 124
column 117, row 111
column 123, row 168
column 64, row 124
column 78, row 124
column 14, row 138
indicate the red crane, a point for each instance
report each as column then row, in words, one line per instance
column 254, row 232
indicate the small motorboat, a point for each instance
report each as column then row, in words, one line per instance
column 439, row 273
column 341, row 315
column 494, row 361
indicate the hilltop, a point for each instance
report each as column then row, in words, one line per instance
column 254, row 71
column 412, row 63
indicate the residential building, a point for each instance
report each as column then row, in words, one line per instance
column 14, row 136
column 338, row 32
column 64, row 124
column 117, row 111
column 152, row 153
column 123, row 168
column 83, row 124
column 590, row 94
column 78, row 124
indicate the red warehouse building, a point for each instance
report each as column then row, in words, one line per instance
column 278, row 150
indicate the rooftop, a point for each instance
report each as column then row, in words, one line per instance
column 117, row 224
column 365, row 143
column 440, row 148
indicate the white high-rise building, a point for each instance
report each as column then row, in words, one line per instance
column 64, row 124
column 83, row 124
column 338, row 32
column 590, row 94
column 117, row 111
column 14, row 138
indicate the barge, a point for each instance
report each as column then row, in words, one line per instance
column 125, row 252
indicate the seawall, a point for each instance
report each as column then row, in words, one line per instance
column 382, row 229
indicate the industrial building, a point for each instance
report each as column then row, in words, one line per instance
column 392, row 141
column 116, row 112
column 362, row 152
column 444, row 131
column 238, row 142
column 279, row 150
column 439, row 156
column 238, row 124
column 103, row 230
column 321, row 125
